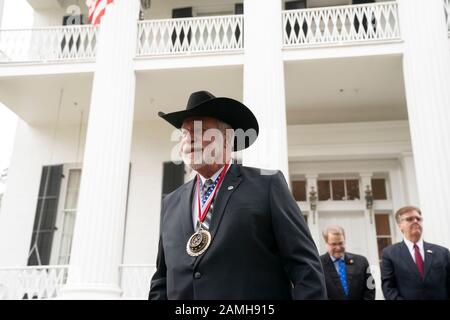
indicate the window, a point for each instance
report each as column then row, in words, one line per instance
column 324, row 190
column 379, row 189
column 69, row 214
column 338, row 189
column 383, row 230
column 299, row 190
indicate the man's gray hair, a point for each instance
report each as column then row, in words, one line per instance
column 334, row 230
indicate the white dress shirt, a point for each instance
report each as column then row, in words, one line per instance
column 410, row 246
column 195, row 201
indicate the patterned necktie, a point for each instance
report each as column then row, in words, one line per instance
column 419, row 260
column 343, row 275
column 207, row 189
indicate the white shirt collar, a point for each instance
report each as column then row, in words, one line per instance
column 214, row 176
column 410, row 244
column 334, row 259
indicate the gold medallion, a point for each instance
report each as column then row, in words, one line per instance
column 198, row 243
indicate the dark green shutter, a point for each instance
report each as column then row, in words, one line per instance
column 173, row 177
column 182, row 12
column 239, row 8
column 294, row 5
column 45, row 218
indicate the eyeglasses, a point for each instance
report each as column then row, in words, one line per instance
column 411, row 219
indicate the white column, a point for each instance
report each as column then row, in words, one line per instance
column 409, row 176
column 99, row 229
column 426, row 65
column 264, row 84
column 313, row 217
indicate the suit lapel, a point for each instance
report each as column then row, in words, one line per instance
column 229, row 185
column 428, row 253
column 349, row 270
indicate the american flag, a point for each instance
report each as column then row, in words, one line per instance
column 97, row 9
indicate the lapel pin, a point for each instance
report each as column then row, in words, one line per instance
column 230, row 187
column 351, row 261
column 429, row 251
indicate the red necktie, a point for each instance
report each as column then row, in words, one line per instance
column 419, row 260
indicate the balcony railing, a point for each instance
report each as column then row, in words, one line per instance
column 48, row 44
column 343, row 24
column 190, row 35
column 135, row 280
column 46, row 282
column 37, row 282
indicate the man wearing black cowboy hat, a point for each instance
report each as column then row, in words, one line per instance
column 231, row 232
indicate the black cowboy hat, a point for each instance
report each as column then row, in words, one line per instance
column 230, row 111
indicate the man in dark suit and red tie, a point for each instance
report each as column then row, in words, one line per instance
column 347, row 275
column 414, row 269
column 232, row 232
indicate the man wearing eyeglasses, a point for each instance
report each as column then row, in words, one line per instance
column 414, row 269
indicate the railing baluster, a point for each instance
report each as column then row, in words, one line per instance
column 206, row 34
column 35, row 282
column 65, row 43
column 335, row 25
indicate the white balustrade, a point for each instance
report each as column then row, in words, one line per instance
column 190, row 35
column 48, row 44
column 135, row 280
column 46, row 282
column 35, row 282
column 342, row 24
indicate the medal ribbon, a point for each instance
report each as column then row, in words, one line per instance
column 202, row 213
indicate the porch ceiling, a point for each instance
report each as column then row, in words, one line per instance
column 345, row 90
column 37, row 99
column 168, row 90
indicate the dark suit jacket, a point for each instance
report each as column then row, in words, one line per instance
column 401, row 280
column 261, row 247
column 359, row 278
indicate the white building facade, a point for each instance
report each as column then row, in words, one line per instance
column 352, row 97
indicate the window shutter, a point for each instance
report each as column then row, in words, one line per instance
column 239, row 8
column 182, row 12
column 362, row 1
column 294, row 5
column 173, row 177
column 45, row 218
